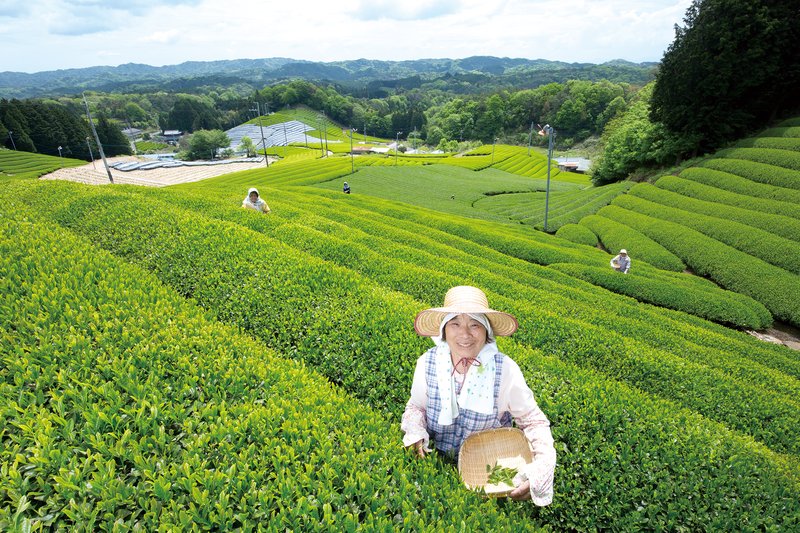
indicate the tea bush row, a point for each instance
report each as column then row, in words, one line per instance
column 769, row 156
column 652, row 201
column 756, row 171
column 735, row 190
column 616, row 236
column 662, row 294
column 640, row 425
column 191, row 272
column 577, row 234
column 779, row 143
column 127, row 408
column 773, row 286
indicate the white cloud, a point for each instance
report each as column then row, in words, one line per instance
column 158, row 33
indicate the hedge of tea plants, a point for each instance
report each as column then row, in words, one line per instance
column 30, row 165
column 125, row 407
column 779, row 251
column 769, row 156
column 726, row 188
column 674, row 295
column 773, row 286
column 244, row 276
column 756, row 171
column 616, row 236
column 577, row 234
column 187, row 251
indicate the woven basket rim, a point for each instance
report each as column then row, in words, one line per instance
column 485, row 448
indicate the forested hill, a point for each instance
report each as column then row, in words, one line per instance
column 472, row 74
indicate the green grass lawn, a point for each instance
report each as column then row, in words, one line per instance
column 443, row 188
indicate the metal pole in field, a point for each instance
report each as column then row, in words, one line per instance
column 551, row 133
column 261, row 126
column 10, row 136
column 396, row 146
column 97, row 140
column 493, row 145
column 285, row 140
column 352, row 164
column 91, row 155
column 530, row 140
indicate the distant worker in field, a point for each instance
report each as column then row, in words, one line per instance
column 621, row 262
column 465, row 385
column 346, row 188
column 253, row 201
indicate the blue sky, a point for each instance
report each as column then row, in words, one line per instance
column 38, row 35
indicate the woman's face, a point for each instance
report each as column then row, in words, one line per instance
column 465, row 336
column 253, row 197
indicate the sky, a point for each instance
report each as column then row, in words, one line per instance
column 41, row 35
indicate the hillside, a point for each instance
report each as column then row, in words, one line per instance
column 373, row 75
column 210, row 333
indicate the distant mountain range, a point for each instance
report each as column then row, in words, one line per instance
column 365, row 76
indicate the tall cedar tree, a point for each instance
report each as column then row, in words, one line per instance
column 114, row 141
column 732, row 68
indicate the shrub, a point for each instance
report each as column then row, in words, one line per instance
column 756, row 171
column 751, row 191
column 615, row 236
column 774, row 287
column 577, row 234
column 650, row 200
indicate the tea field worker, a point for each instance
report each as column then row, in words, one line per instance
column 464, row 384
column 253, row 201
column 621, row 262
column 346, row 188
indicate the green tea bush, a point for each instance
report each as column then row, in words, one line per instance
column 187, row 252
column 769, row 156
column 577, row 234
column 779, row 143
column 755, row 171
column 30, row 165
column 748, row 191
column 784, row 130
column 245, row 278
column 616, row 236
column 652, row 201
column 672, row 296
column 151, row 416
column 774, row 287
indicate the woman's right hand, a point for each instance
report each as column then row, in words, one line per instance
column 419, row 447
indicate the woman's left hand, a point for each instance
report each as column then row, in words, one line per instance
column 522, row 492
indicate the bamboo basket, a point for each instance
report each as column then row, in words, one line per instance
column 507, row 447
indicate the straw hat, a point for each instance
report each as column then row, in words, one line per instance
column 464, row 299
column 624, row 251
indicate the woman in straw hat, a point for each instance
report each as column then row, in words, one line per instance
column 464, row 385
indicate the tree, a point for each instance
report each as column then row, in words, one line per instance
column 204, row 144
column 732, row 67
column 247, row 146
column 114, row 141
column 632, row 141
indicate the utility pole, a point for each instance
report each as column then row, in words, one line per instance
column 285, row 141
column 530, row 140
column 352, row 163
column 10, row 136
column 91, row 155
column 551, row 134
column 97, row 139
column 493, row 145
column 396, row 146
column 261, row 126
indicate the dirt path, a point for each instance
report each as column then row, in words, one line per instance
column 95, row 174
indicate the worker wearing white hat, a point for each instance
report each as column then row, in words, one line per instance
column 621, row 262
